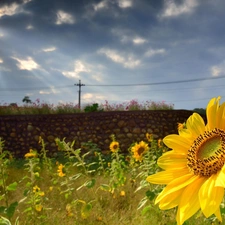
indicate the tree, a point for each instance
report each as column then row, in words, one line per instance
column 200, row 111
column 27, row 100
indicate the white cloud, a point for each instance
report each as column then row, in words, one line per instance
column 79, row 67
column 128, row 61
column 105, row 4
column 70, row 74
column 98, row 77
column 50, row 49
column 172, row 9
column 126, row 36
column 44, row 92
column 90, row 97
column 112, row 54
column 51, row 91
column 28, row 64
column 152, row 52
column 215, row 71
column 91, row 71
column 9, row 10
column 63, row 17
column 29, row 27
column 12, row 9
column 26, row 1
column 139, row 40
column 125, row 3
column 1, row 60
column 101, row 5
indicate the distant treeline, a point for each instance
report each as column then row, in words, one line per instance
column 200, row 111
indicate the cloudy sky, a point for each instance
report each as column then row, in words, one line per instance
column 148, row 50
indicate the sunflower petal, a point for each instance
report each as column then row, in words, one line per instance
column 185, row 133
column 195, row 124
column 175, row 185
column 167, row 176
column 171, row 200
column 218, row 214
column 220, row 181
column 189, row 202
column 220, row 122
column 172, row 158
column 211, row 112
column 210, row 196
column 177, row 143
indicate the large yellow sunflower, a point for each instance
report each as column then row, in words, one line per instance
column 194, row 170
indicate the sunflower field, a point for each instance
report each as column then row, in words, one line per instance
column 177, row 180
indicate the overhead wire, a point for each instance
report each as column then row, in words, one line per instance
column 159, row 83
column 123, row 85
column 172, row 89
column 117, row 85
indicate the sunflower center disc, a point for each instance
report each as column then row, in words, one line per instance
column 140, row 150
column 115, row 146
column 207, row 154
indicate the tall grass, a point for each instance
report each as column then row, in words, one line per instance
column 84, row 187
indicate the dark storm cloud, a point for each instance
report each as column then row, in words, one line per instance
column 52, row 42
column 89, row 26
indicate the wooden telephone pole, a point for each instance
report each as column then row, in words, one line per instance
column 79, row 92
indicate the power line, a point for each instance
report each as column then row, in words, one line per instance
column 158, row 83
column 151, row 90
column 116, row 85
column 194, row 100
column 171, row 89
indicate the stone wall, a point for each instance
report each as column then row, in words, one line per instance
column 21, row 132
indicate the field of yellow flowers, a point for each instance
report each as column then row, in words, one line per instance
column 84, row 187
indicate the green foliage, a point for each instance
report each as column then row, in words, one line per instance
column 4, row 221
column 8, row 208
column 201, row 111
column 92, row 108
column 27, row 100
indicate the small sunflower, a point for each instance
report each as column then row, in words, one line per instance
column 139, row 149
column 38, row 207
column 149, row 137
column 31, row 154
column 69, row 210
column 114, row 146
column 159, row 143
column 60, row 171
column 194, row 170
column 36, row 189
column 181, row 126
column 41, row 193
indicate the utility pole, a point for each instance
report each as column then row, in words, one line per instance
column 79, row 92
